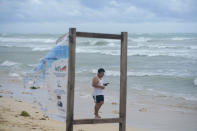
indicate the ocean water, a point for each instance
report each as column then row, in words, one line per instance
column 158, row 64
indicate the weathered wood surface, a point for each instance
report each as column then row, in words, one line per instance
column 96, row 121
column 98, row 35
column 71, row 79
column 123, row 81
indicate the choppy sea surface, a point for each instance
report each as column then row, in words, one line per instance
column 158, row 64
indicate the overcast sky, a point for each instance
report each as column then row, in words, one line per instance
column 134, row 16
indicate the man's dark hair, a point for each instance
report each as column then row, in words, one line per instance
column 101, row 70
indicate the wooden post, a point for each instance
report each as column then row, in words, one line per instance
column 71, row 79
column 123, row 81
column 96, row 121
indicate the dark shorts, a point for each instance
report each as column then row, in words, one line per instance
column 99, row 98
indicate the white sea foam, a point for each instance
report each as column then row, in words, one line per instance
column 140, row 45
column 34, row 46
column 175, row 53
column 14, row 75
column 87, row 50
column 195, row 82
column 143, row 73
column 185, row 96
column 109, row 73
column 41, row 48
column 81, row 71
column 27, row 40
column 8, row 63
column 149, row 46
column 180, row 38
column 140, row 39
column 193, row 47
column 185, row 53
column 113, row 45
column 170, row 94
column 32, row 65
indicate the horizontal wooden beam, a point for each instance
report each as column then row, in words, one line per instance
column 98, row 35
column 96, row 121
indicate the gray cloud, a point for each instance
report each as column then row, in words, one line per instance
column 80, row 12
column 77, row 11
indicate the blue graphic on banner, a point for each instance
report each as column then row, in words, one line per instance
column 58, row 52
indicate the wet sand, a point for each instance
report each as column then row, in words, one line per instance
column 11, row 119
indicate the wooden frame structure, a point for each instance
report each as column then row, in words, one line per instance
column 71, row 80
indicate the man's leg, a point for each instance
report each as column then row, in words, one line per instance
column 97, row 107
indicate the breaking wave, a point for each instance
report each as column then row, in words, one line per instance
column 26, row 40
column 195, row 82
column 8, row 63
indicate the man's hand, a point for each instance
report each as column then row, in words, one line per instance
column 102, row 87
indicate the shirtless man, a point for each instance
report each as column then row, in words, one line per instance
column 98, row 86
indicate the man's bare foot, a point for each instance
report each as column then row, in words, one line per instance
column 97, row 117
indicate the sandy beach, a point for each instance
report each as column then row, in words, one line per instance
column 161, row 91
column 11, row 120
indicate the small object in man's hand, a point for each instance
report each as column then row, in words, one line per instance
column 105, row 84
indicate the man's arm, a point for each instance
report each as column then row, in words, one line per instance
column 95, row 82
